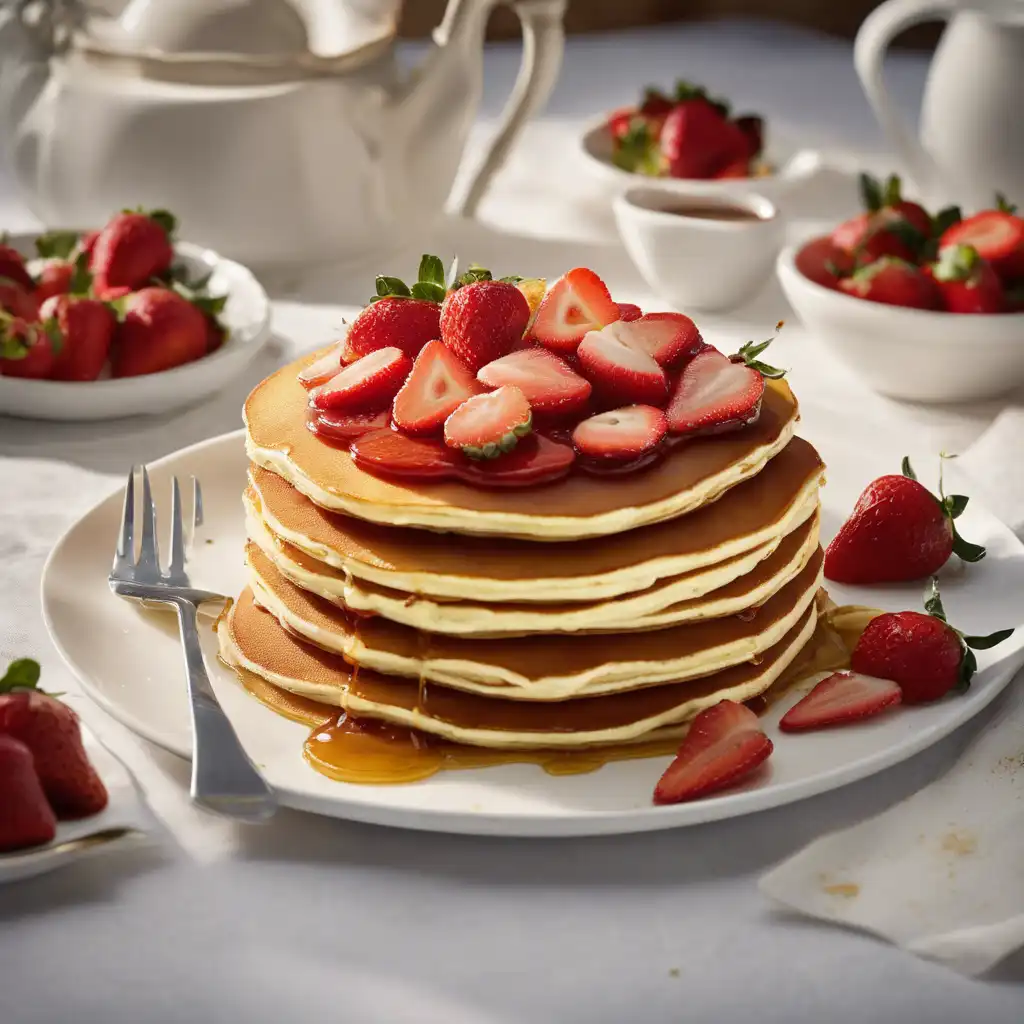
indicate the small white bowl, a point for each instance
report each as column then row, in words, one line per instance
column 917, row 354
column 698, row 262
column 793, row 167
column 246, row 317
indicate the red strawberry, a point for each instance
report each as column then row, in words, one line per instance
column 738, row 168
column 697, row 139
column 160, row 330
column 628, row 311
column 132, row 249
column 842, row 697
column 50, row 730
column 967, row 282
column 668, row 338
column 26, row 819
column 922, row 653
column 483, row 321
column 489, row 425
column 851, row 233
column 18, row 302
column 347, row 426
column 12, row 268
column 824, row 262
column 898, row 531
column 998, row 235
column 883, row 241
column 621, row 372
column 26, row 349
column 725, row 744
column 576, row 303
column 88, row 241
column 620, row 120
column 891, row 225
column 436, row 387
column 893, row 282
column 216, row 333
column 321, row 370
column 621, row 434
column 393, row 322
column 548, row 382
column 54, row 279
column 366, row 385
column 716, row 393
column 85, row 328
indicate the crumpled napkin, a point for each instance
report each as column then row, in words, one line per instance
column 941, row 874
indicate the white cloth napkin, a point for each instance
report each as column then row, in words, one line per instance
column 942, row 873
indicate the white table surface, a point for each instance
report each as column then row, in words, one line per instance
column 325, row 920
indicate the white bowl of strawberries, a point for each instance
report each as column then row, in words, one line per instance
column 122, row 321
column 926, row 308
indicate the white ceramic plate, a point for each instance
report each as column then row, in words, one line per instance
column 129, row 661
column 246, row 316
column 792, row 168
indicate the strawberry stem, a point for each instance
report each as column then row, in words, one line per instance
column 953, row 506
column 21, row 674
column 748, row 354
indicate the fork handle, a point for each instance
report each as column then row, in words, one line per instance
column 224, row 780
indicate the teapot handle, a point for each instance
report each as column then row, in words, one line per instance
column 876, row 33
column 543, row 43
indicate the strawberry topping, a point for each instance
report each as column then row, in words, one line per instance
column 321, row 370
column 668, row 338
column 619, row 370
column 486, row 426
column 842, row 697
column 366, row 385
column 548, row 382
column 346, row 426
column 620, row 434
column 576, row 303
column 715, row 394
column 438, row 385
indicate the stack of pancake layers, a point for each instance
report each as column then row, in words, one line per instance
column 598, row 610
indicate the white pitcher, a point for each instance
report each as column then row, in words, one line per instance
column 972, row 119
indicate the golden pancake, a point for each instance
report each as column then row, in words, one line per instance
column 752, row 514
column 690, row 475
column 540, row 668
column 252, row 640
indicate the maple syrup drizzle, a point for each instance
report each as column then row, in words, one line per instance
column 372, row 752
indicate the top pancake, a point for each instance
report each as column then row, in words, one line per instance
column 580, row 505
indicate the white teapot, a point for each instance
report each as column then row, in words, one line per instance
column 278, row 131
column 972, row 131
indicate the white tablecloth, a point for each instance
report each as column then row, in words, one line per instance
column 337, row 921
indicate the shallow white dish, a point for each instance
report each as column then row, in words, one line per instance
column 129, row 661
column 792, row 166
column 917, row 354
column 246, row 316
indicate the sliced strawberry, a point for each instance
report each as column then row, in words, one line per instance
column 725, row 743
column 366, row 385
column 842, row 697
column 668, row 338
column 620, row 434
column 321, row 370
column 576, row 303
column 714, row 394
column 628, row 312
column 548, row 382
column 438, row 385
column 489, row 425
column 621, row 371
column 345, row 427
column 998, row 235
column 390, row 453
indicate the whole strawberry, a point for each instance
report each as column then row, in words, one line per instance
column 132, row 249
column 922, row 653
column 483, row 321
column 26, row 819
column 698, row 139
column 898, row 531
column 12, row 268
column 160, row 330
column 395, row 322
column 26, row 349
column 85, row 329
column 967, row 282
column 889, row 226
column 18, row 302
column 894, row 282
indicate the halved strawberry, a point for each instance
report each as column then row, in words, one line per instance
column 438, row 385
column 488, row 425
column 842, row 697
column 998, row 235
column 620, row 370
column 620, row 434
column 714, row 394
column 366, row 385
column 725, row 743
column 628, row 311
column 548, row 382
column 321, row 370
column 668, row 338
column 347, row 426
column 576, row 303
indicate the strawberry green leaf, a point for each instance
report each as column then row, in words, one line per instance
column 956, row 263
column 211, row 305
column 81, row 278
column 891, row 194
column 165, row 219
column 985, row 643
column 51, row 327
column 1004, row 205
column 968, row 666
column 651, row 93
column 933, row 602
column 945, row 219
column 748, row 354
column 870, row 193
column 431, row 271
column 391, row 286
column 119, row 307
column 21, row 674
column 430, row 292
column 637, row 151
column 955, row 505
column 965, row 550
column 511, row 279
column 57, row 244
column 907, row 469
column 906, row 233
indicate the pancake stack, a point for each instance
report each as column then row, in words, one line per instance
column 594, row 611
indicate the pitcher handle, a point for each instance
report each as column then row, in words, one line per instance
column 876, row 33
column 543, row 43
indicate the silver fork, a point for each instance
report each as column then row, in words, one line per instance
column 224, row 780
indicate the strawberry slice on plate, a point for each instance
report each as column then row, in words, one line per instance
column 620, row 370
column 489, row 425
column 366, row 385
column 346, row 426
column 321, row 370
column 725, row 744
column 439, row 383
column 548, row 382
column 842, row 697
column 576, row 303
column 620, row 434
column 668, row 338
